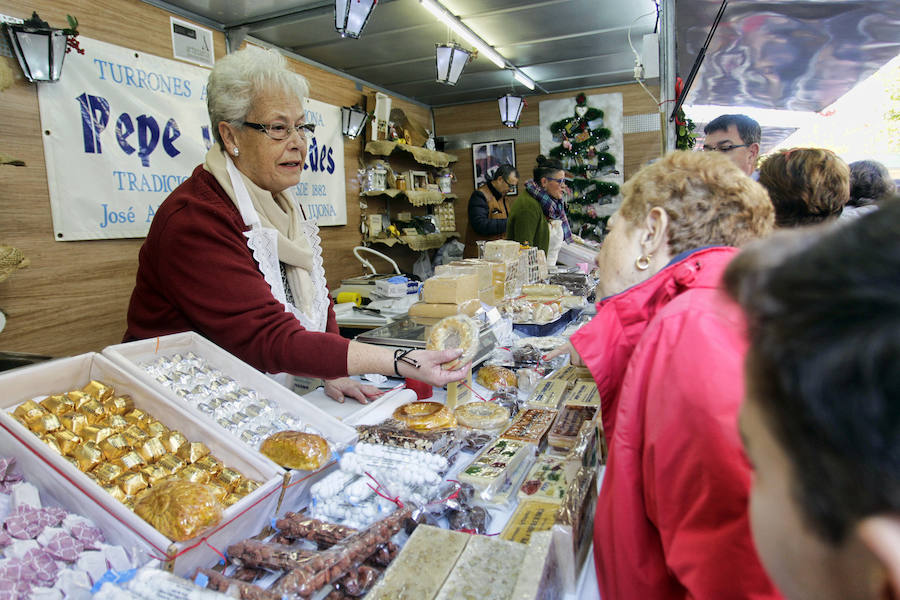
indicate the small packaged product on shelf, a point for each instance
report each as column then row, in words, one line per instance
column 397, row 434
column 568, row 423
column 540, row 577
column 425, row 415
column 487, row 569
column 573, row 374
column 530, row 516
column 546, row 481
column 494, row 377
column 548, row 394
column 482, row 415
column 494, row 465
column 584, row 393
column 297, row 450
column 422, row 566
column 531, row 425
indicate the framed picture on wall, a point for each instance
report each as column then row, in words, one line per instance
column 487, row 156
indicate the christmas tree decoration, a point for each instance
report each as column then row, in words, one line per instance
column 583, row 149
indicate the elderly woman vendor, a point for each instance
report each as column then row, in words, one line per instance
column 231, row 256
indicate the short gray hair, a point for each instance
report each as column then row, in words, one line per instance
column 238, row 77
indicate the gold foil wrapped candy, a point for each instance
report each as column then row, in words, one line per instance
column 132, row 483
column 114, row 491
column 78, row 397
column 93, row 410
column 107, row 472
column 115, row 422
column 98, row 390
column 131, row 461
column 88, row 455
column 194, row 473
column 296, row 450
column 95, row 433
column 58, row 404
column 114, row 446
column 171, row 463
column 135, row 435
column 231, row 499
column 46, row 423
column 154, row 473
column 218, row 491
column 228, row 478
column 209, row 463
column 193, row 451
column 74, row 422
column 156, row 429
column 136, row 415
column 244, row 487
column 28, row 412
column 67, row 441
column 151, row 449
column 173, row 441
column 50, row 440
column 118, row 405
column 179, row 509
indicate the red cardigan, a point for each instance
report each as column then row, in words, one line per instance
column 196, row 273
column 671, row 520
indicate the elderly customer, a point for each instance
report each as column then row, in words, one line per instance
column 666, row 349
column 488, row 211
column 806, row 185
column 538, row 205
column 207, row 264
column 870, row 184
column 821, row 420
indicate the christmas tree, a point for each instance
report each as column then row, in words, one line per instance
column 583, row 149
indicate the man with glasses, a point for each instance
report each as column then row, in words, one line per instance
column 488, row 211
column 737, row 136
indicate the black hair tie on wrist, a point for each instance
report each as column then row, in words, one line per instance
column 400, row 355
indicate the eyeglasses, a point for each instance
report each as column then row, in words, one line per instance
column 280, row 131
column 723, row 148
column 560, row 181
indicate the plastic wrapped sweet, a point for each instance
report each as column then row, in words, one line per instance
column 395, row 433
column 487, row 569
column 180, row 509
column 494, row 378
column 296, row 450
column 425, row 415
column 482, row 415
column 449, row 333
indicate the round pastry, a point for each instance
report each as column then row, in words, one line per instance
column 458, row 331
column 425, row 415
column 296, row 450
column 482, row 415
column 494, row 377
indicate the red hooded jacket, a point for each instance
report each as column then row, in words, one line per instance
column 671, row 520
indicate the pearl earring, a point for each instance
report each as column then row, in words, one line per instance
column 235, row 151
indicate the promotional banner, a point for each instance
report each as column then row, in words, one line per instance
column 321, row 190
column 122, row 129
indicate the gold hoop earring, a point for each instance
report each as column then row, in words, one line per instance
column 643, row 262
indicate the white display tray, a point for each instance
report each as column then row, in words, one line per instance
column 130, row 356
column 58, row 491
column 244, row 519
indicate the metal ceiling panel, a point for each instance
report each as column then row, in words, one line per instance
column 798, row 55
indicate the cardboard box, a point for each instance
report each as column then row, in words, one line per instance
column 451, row 289
column 238, row 521
column 133, row 355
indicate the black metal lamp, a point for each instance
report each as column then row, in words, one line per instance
column 451, row 60
column 39, row 48
column 511, row 109
column 353, row 120
column 350, row 16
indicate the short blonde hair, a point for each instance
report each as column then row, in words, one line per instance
column 709, row 200
column 806, row 185
column 240, row 76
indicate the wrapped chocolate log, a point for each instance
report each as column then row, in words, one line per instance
column 266, row 555
column 295, row 526
column 394, row 433
column 333, row 563
column 357, row 583
column 233, row 587
column 296, row 450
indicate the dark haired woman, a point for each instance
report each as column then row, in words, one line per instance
column 538, row 205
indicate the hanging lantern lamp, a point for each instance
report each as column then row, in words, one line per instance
column 350, row 16
column 451, row 60
column 511, row 109
column 353, row 120
column 39, row 48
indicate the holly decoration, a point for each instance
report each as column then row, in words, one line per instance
column 685, row 138
column 583, row 145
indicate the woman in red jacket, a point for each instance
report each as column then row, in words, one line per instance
column 666, row 349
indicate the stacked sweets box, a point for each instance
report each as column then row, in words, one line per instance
column 28, row 412
column 242, row 403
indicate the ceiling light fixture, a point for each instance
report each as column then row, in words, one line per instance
column 353, row 120
column 350, row 16
column 523, row 79
column 511, row 109
column 451, row 60
column 464, row 32
column 39, row 48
